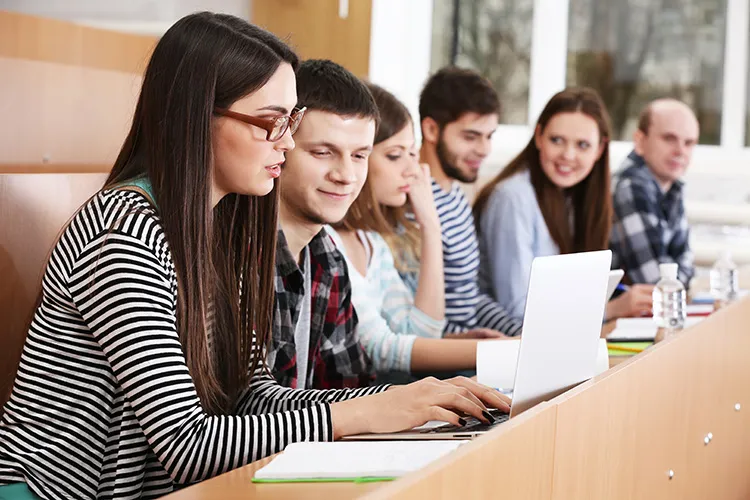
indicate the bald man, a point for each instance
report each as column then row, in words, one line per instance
column 650, row 226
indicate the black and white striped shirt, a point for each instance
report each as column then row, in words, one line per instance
column 466, row 307
column 103, row 405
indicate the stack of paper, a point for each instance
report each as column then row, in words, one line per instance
column 635, row 329
column 352, row 460
column 699, row 309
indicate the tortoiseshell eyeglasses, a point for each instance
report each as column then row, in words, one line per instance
column 275, row 127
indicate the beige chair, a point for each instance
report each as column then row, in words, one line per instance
column 33, row 210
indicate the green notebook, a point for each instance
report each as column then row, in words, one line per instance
column 326, row 480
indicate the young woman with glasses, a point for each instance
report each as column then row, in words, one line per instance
column 143, row 369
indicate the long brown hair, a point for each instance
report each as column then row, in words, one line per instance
column 401, row 233
column 223, row 258
column 591, row 198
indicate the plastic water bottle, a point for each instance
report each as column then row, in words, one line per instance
column 724, row 281
column 669, row 306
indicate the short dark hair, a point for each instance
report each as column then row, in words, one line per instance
column 644, row 119
column 452, row 91
column 323, row 85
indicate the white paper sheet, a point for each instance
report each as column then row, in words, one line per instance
column 497, row 361
column 354, row 459
column 642, row 328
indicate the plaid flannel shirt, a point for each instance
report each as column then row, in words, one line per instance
column 335, row 357
column 650, row 227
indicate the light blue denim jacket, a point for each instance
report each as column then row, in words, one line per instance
column 512, row 232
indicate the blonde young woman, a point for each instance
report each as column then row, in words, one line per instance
column 401, row 331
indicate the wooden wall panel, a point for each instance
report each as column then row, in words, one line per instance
column 619, row 434
column 49, row 40
column 54, row 168
column 61, row 114
column 33, row 210
column 316, row 31
column 599, row 446
column 67, row 92
column 719, row 469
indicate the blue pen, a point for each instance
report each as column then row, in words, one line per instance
column 622, row 288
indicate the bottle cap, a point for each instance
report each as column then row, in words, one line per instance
column 668, row 271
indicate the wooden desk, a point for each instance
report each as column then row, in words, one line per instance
column 532, row 434
column 33, row 210
column 535, row 426
column 615, row 436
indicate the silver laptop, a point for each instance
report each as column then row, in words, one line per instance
column 559, row 342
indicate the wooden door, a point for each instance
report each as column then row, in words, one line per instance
column 317, row 31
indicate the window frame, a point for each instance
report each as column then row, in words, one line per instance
column 400, row 57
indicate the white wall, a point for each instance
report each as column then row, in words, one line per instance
column 400, row 39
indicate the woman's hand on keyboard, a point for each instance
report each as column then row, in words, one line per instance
column 404, row 407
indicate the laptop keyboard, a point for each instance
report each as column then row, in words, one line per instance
column 472, row 424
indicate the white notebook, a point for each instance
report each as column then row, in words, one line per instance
column 350, row 460
column 642, row 328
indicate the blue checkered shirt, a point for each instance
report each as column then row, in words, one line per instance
column 650, row 226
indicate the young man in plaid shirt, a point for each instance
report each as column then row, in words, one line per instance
column 315, row 345
column 650, row 226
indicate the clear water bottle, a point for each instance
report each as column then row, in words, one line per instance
column 724, row 281
column 669, row 306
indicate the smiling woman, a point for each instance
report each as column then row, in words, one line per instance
column 553, row 198
column 551, row 158
column 568, row 148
